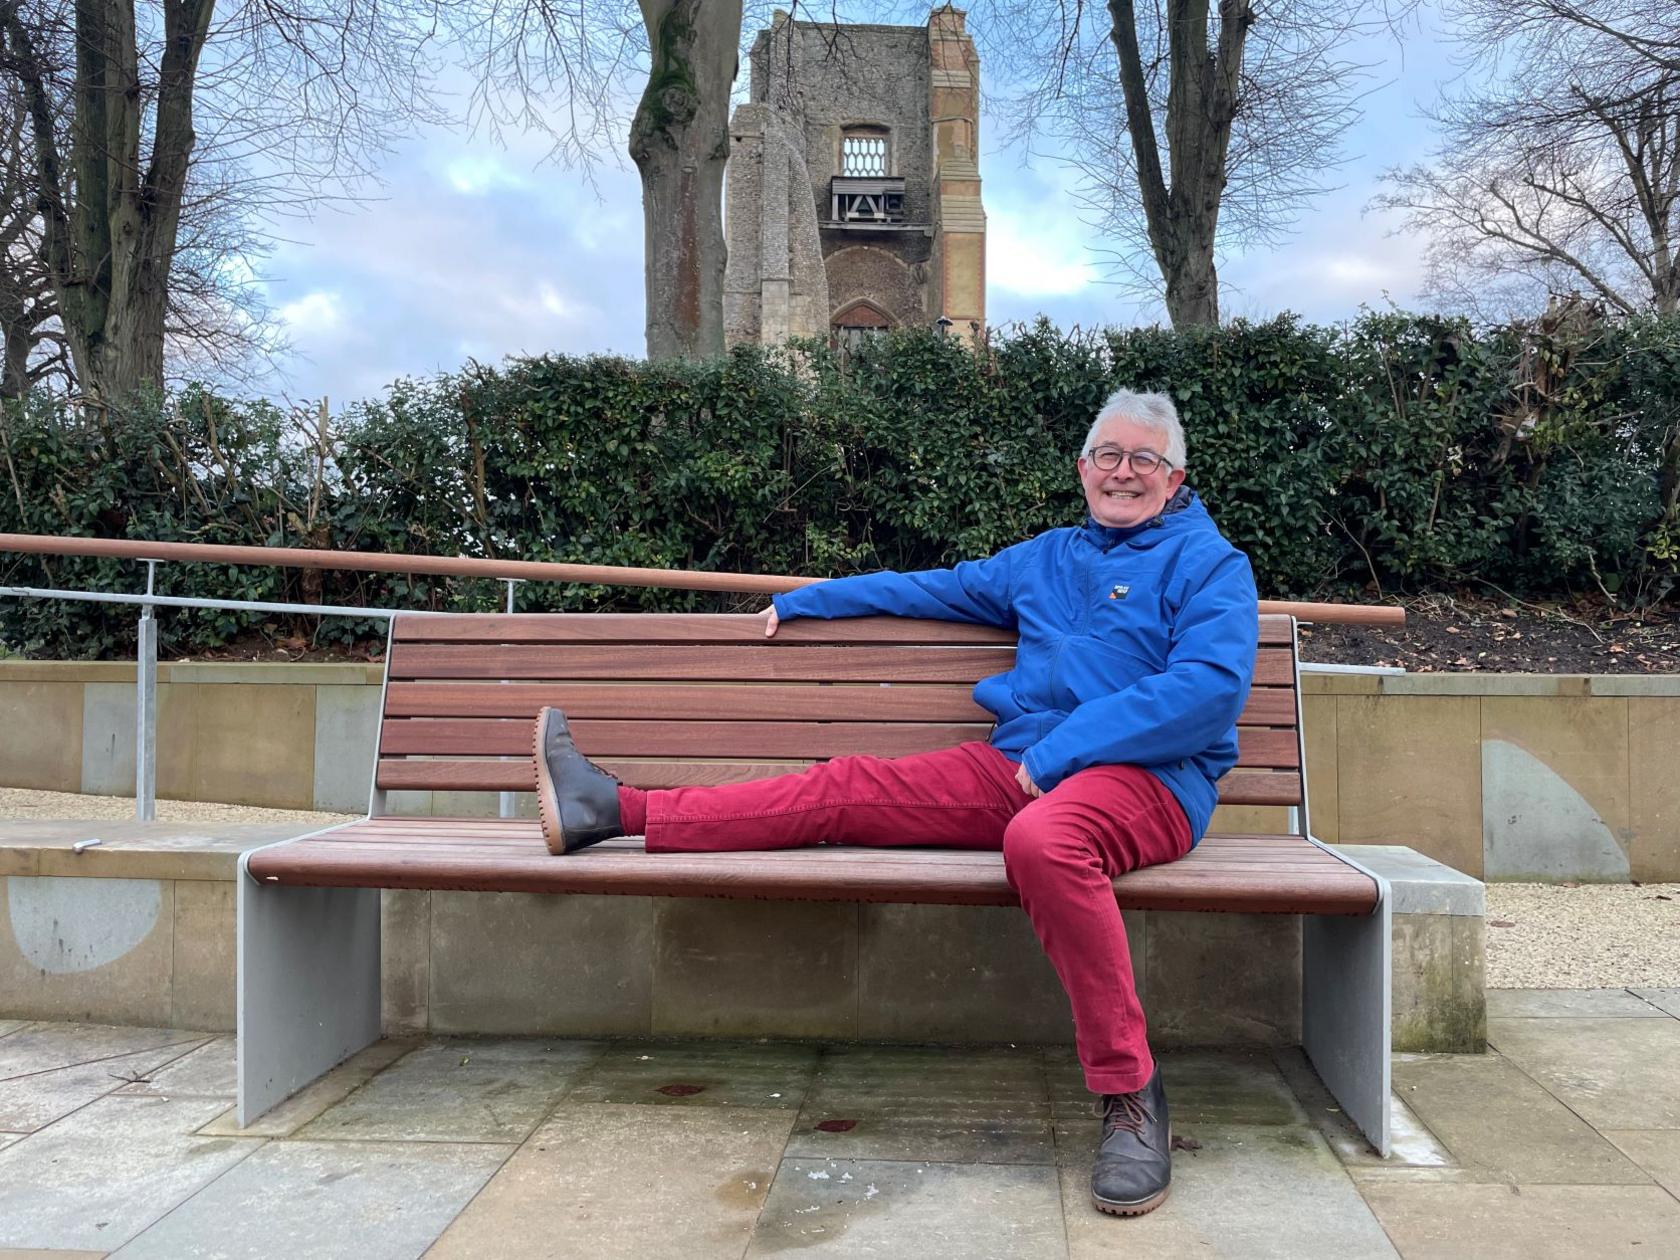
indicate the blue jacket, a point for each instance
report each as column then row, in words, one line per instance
column 1136, row 646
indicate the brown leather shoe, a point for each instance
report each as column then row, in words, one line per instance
column 577, row 799
column 1133, row 1169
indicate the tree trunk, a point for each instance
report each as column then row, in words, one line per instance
column 15, row 330
column 109, row 252
column 1192, row 278
column 680, row 143
column 1183, row 219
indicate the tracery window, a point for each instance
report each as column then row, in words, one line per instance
column 863, row 151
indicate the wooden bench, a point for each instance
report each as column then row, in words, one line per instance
column 666, row 700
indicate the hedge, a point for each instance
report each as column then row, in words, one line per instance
column 1396, row 454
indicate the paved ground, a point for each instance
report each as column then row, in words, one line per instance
column 1563, row 1141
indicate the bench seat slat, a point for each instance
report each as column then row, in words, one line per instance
column 920, row 702
column 362, row 855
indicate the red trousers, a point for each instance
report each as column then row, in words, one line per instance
column 1060, row 850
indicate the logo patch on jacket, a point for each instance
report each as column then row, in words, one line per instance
column 1120, row 592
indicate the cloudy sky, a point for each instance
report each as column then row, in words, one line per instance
column 471, row 250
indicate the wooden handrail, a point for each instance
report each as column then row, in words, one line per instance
column 540, row 571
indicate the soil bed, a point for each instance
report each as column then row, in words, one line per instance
column 1463, row 634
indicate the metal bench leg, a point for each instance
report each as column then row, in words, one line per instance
column 308, row 985
column 1346, row 1011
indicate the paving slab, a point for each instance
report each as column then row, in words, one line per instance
column 1492, row 1116
column 459, row 1090
column 1615, row 1073
column 1203, row 1086
column 96, row 1178
column 35, row 1253
column 1411, row 1144
column 1657, row 1151
column 918, row 1103
column 1667, row 1000
column 325, row 1200
column 9, row 1026
column 1503, row 1222
column 839, row 1208
column 616, row 1182
column 700, row 1074
column 316, row 1097
column 210, row 1071
column 1227, row 1200
column 1567, row 1004
column 28, row 1103
column 44, row 1047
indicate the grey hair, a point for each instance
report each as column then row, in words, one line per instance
column 1152, row 411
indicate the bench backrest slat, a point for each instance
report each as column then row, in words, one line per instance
column 950, row 702
column 669, row 699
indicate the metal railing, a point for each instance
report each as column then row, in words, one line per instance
column 511, row 572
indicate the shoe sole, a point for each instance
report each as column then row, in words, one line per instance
column 1130, row 1209
column 1115, row 1207
column 548, row 804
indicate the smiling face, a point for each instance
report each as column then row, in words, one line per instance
column 1121, row 498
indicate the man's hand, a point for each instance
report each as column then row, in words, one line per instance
column 771, row 621
column 1025, row 780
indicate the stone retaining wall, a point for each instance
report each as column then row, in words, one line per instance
column 1499, row 776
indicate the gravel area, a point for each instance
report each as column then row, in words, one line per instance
column 1583, row 936
column 1539, row 936
column 26, row 803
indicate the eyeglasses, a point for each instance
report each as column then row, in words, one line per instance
column 1108, row 458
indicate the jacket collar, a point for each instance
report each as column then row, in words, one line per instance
column 1109, row 536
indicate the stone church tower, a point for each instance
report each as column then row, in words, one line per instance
column 854, row 183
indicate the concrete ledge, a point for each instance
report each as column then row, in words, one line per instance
column 1476, row 684
column 141, row 929
column 1419, row 884
column 1438, row 972
column 132, row 850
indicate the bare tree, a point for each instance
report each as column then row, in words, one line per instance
column 1196, row 125
column 31, row 343
column 1560, row 171
column 217, row 325
column 294, row 98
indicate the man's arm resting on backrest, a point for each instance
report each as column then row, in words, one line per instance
column 974, row 591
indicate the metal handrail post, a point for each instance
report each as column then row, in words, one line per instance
column 145, row 708
column 509, row 801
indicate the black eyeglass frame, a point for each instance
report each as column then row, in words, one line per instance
column 1121, row 455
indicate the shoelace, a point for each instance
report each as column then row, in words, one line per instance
column 1124, row 1111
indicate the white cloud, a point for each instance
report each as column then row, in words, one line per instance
column 553, row 303
column 1036, row 255
column 475, row 175
column 313, row 313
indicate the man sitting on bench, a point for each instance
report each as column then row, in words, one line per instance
column 1137, row 634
